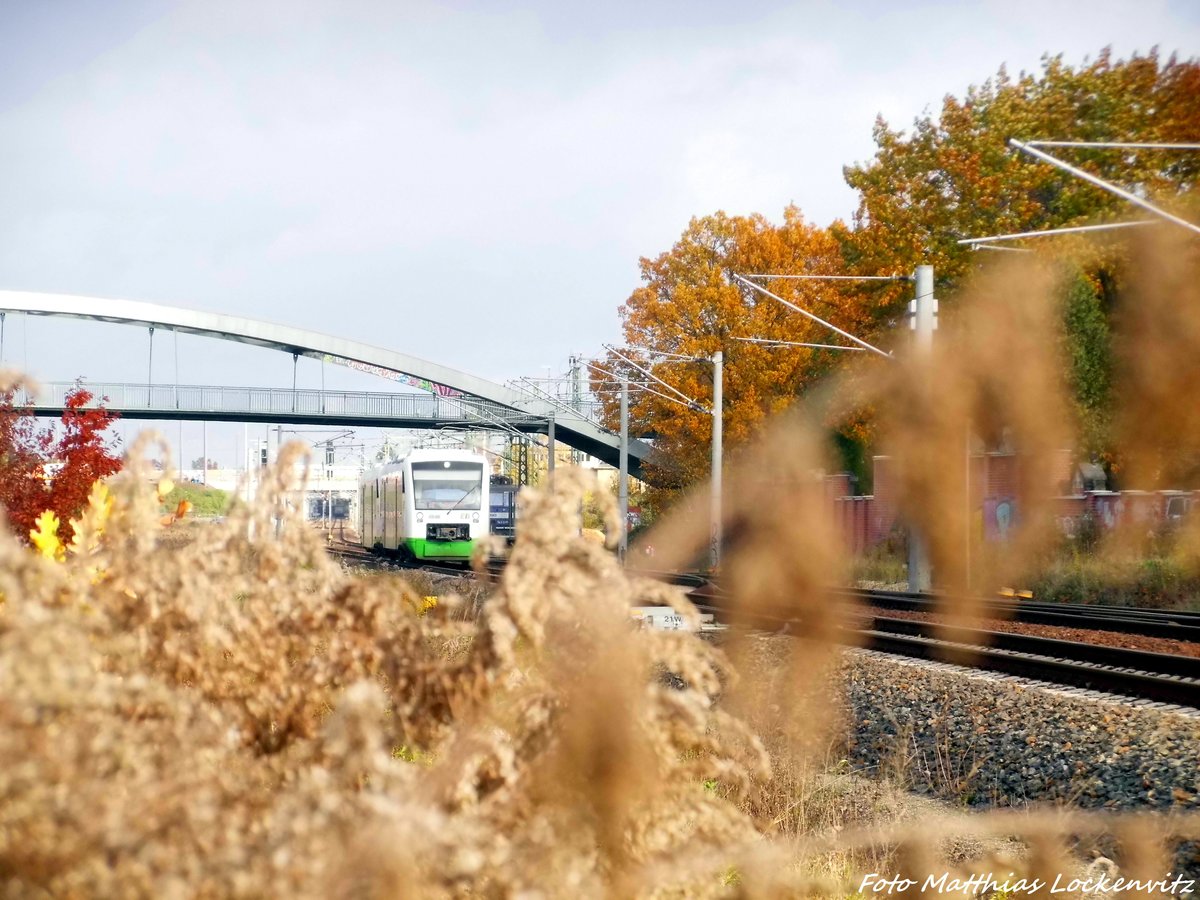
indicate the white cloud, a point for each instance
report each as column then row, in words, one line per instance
column 393, row 162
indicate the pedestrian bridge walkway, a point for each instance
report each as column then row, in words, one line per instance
column 215, row 403
column 453, row 399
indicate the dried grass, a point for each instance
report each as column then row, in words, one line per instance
column 235, row 715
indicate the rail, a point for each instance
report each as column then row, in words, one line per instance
column 1172, row 624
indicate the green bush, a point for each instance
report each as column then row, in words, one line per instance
column 206, row 501
column 1157, row 582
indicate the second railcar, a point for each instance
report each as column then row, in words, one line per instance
column 433, row 504
column 504, row 507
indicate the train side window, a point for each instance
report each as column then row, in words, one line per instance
column 402, row 482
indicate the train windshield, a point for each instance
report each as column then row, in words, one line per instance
column 447, row 485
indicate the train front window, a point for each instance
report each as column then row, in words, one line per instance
column 447, row 485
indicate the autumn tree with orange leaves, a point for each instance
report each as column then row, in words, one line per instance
column 952, row 175
column 53, row 468
column 689, row 305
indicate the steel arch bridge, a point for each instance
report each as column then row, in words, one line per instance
column 455, row 399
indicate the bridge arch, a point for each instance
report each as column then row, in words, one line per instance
column 574, row 431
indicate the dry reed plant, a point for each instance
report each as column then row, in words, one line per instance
column 236, row 716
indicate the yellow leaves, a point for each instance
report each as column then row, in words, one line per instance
column 44, row 536
column 427, row 603
column 422, row 606
column 87, row 531
column 89, row 527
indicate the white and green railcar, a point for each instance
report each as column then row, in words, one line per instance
column 433, row 505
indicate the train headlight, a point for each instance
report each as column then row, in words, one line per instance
column 475, row 518
column 420, row 517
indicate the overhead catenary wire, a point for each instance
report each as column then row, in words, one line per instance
column 812, row 316
column 651, row 375
column 694, row 407
column 1104, row 185
column 830, row 277
column 1050, row 232
column 574, row 413
column 1115, row 145
column 682, row 357
column 774, row 343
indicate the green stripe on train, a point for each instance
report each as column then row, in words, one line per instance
column 423, row 549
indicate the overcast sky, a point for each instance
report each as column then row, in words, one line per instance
column 469, row 182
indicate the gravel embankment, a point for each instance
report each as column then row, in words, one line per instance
column 984, row 739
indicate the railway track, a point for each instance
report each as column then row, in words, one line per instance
column 1135, row 674
column 1180, row 626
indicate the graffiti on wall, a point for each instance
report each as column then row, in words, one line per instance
column 999, row 518
column 411, row 380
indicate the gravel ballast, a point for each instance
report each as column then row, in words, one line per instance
column 984, row 739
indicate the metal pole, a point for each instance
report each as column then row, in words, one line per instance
column 175, row 392
column 550, row 447
column 576, row 400
column 204, row 452
column 967, row 481
column 623, row 472
column 246, row 456
column 924, row 309
column 718, row 361
column 1104, row 185
column 2, row 315
column 150, row 368
column 923, row 324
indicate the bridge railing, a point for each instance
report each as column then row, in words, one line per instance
column 282, row 401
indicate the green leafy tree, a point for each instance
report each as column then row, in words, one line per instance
column 953, row 174
column 1087, row 345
